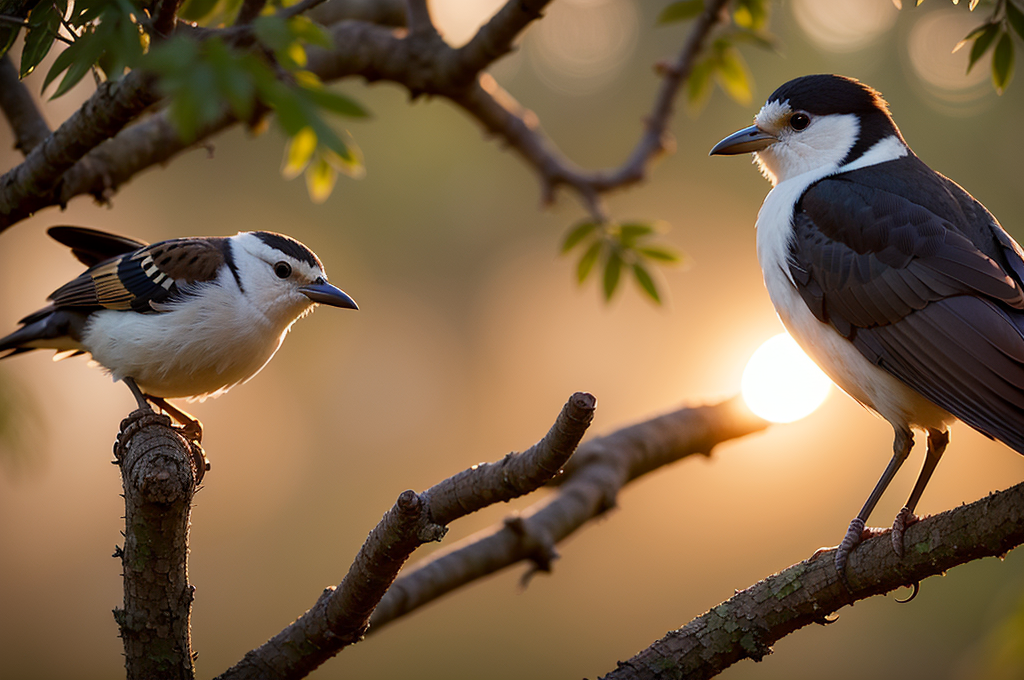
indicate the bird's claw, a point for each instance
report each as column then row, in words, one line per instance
column 200, row 462
column 899, row 525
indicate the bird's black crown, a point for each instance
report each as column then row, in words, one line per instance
column 825, row 94
column 289, row 246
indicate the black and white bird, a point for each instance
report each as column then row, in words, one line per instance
column 188, row 317
column 901, row 286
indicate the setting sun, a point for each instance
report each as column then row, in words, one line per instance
column 780, row 382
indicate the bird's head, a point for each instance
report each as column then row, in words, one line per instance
column 811, row 123
column 282, row 277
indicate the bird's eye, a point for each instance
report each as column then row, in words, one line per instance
column 283, row 270
column 799, row 121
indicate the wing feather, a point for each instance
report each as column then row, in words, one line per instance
column 929, row 290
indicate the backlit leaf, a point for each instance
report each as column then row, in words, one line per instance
column 577, row 234
column 643, row 277
column 982, row 43
column 660, row 253
column 733, row 76
column 612, row 274
column 39, row 38
column 320, row 180
column 586, row 263
column 683, row 10
column 1002, row 63
column 299, row 151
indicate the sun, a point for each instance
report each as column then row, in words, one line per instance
column 780, row 382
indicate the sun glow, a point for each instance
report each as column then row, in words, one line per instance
column 780, row 382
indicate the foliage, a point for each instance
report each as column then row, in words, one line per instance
column 723, row 64
column 1006, row 19
column 205, row 74
column 617, row 247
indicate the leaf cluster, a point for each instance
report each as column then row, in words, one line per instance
column 994, row 34
column 203, row 75
column 619, row 246
column 723, row 63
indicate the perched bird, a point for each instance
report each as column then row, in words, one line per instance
column 897, row 282
column 188, row 317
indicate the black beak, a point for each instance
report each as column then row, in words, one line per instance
column 746, row 140
column 326, row 294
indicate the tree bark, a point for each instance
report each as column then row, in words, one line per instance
column 158, row 472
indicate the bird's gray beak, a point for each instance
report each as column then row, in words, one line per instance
column 326, row 294
column 746, row 140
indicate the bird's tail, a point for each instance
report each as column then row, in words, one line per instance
column 49, row 328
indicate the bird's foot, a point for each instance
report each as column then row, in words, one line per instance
column 904, row 519
column 855, row 534
column 200, row 462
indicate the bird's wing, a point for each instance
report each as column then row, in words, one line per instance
column 146, row 279
column 917, row 296
column 92, row 246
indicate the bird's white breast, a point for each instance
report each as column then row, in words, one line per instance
column 201, row 347
column 844, row 364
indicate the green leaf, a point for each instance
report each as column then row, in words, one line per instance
column 733, row 76
column 1002, row 63
column 612, row 274
column 759, row 39
column 39, row 38
column 1016, row 18
column 971, row 36
column 660, row 253
column 8, row 34
column 586, row 263
column 683, row 10
column 299, row 152
column 273, row 32
column 632, row 232
column 981, row 44
column 751, row 14
column 306, row 29
column 320, row 180
column 350, row 164
column 643, row 277
column 700, row 84
column 577, row 234
column 336, row 103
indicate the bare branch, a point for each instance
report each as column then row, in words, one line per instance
column 33, row 184
column 589, row 486
column 418, row 18
column 159, row 477
column 341, row 615
column 494, row 39
column 381, row 12
column 745, row 625
column 30, row 129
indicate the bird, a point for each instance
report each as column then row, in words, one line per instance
column 183, row 318
column 897, row 282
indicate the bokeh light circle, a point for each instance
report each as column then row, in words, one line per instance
column 844, row 25
column 781, row 383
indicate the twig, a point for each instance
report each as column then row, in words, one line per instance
column 418, row 18
column 20, row 109
column 340, row 616
column 746, row 625
column 588, row 487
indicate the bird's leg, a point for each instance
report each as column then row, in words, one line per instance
column 937, row 442
column 140, row 398
column 901, row 445
column 190, row 426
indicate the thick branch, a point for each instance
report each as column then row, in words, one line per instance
column 29, row 127
column 745, row 625
column 589, row 486
column 159, row 480
column 341, row 615
column 33, row 184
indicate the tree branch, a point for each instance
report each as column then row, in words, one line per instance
column 745, row 625
column 340, row 617
column 29, row 127
column 588, row 487
column 159, row 478
column 34, row 184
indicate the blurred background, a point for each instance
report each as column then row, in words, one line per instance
column 470, row 336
